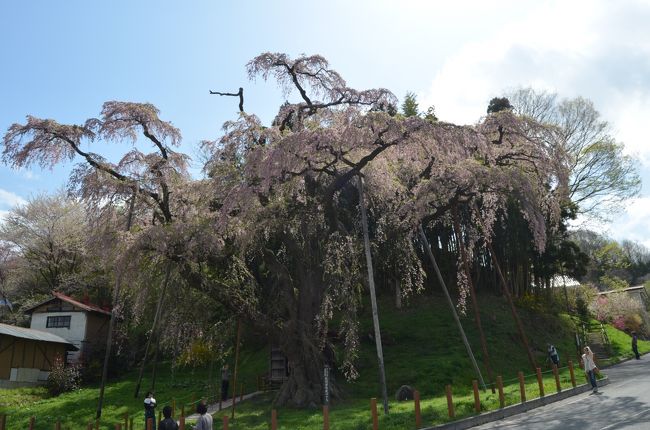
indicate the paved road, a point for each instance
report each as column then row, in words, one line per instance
column 623, row 404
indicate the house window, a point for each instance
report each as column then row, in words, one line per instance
column 58, row 322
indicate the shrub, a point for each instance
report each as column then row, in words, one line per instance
column 63, row 379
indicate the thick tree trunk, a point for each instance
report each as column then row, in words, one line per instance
column 304, row 387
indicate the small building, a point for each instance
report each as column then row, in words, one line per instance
column 83, row 324
column 27, row 356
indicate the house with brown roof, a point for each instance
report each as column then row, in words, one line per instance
column 81, row 323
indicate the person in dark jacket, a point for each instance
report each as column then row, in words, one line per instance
column 168, row 423
column 635, row 347
column 225, row 382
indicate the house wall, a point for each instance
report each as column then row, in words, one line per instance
column 26, row 360
column 76, row 334
column 96, row 332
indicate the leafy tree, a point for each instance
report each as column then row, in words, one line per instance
column 499, row 104
column 410, row 105
column 48, row 236
column 602, row 176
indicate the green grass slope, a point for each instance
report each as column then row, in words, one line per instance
column 422, row 348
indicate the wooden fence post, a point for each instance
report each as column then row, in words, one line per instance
column 522, row 386
column 502, row 399
column 225, row 422
column 573, row 376
column 418, row 415
column 181, row 423
column 326, row 417
column 373, row 413
column 450, row 401
column 274, row 419
column 540, row 382
column 557, row 378
column 31, row 423
column 477, row 398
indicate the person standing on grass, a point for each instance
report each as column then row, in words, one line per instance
column 168, row 423
column 590, row 367
column 553, row 355
column 225, row 381
column 205, row 420
column 149, row 412
column 635, row 347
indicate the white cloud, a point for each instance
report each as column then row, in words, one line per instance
column 29, row 174
column 633, row 224
column 9, row 199
column 596, row 49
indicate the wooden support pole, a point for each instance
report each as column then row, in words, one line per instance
column 502, row 399
column 31, row 423
column 573, row 376
column 450, row 401
column 57, row 426
column 118, row 426
column 225, row 422
column 234, row 385
column 149, row 423
column 418, row 414
column 452, row 308
column 274, row 419
column 522, row 386
column 373, row 413
column 468, row 276
column 326, row 417
column 181, row 423
column 3, row 422
column 477, row 398
column 373, row 296
column 540, row 382
column 90, row 426
column 557, row 378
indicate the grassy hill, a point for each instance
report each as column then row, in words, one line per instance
column 422, row 348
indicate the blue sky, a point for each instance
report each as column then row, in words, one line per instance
column 62, row 60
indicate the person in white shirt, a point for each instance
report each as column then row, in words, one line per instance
column 205, row 419
column 590, row 367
